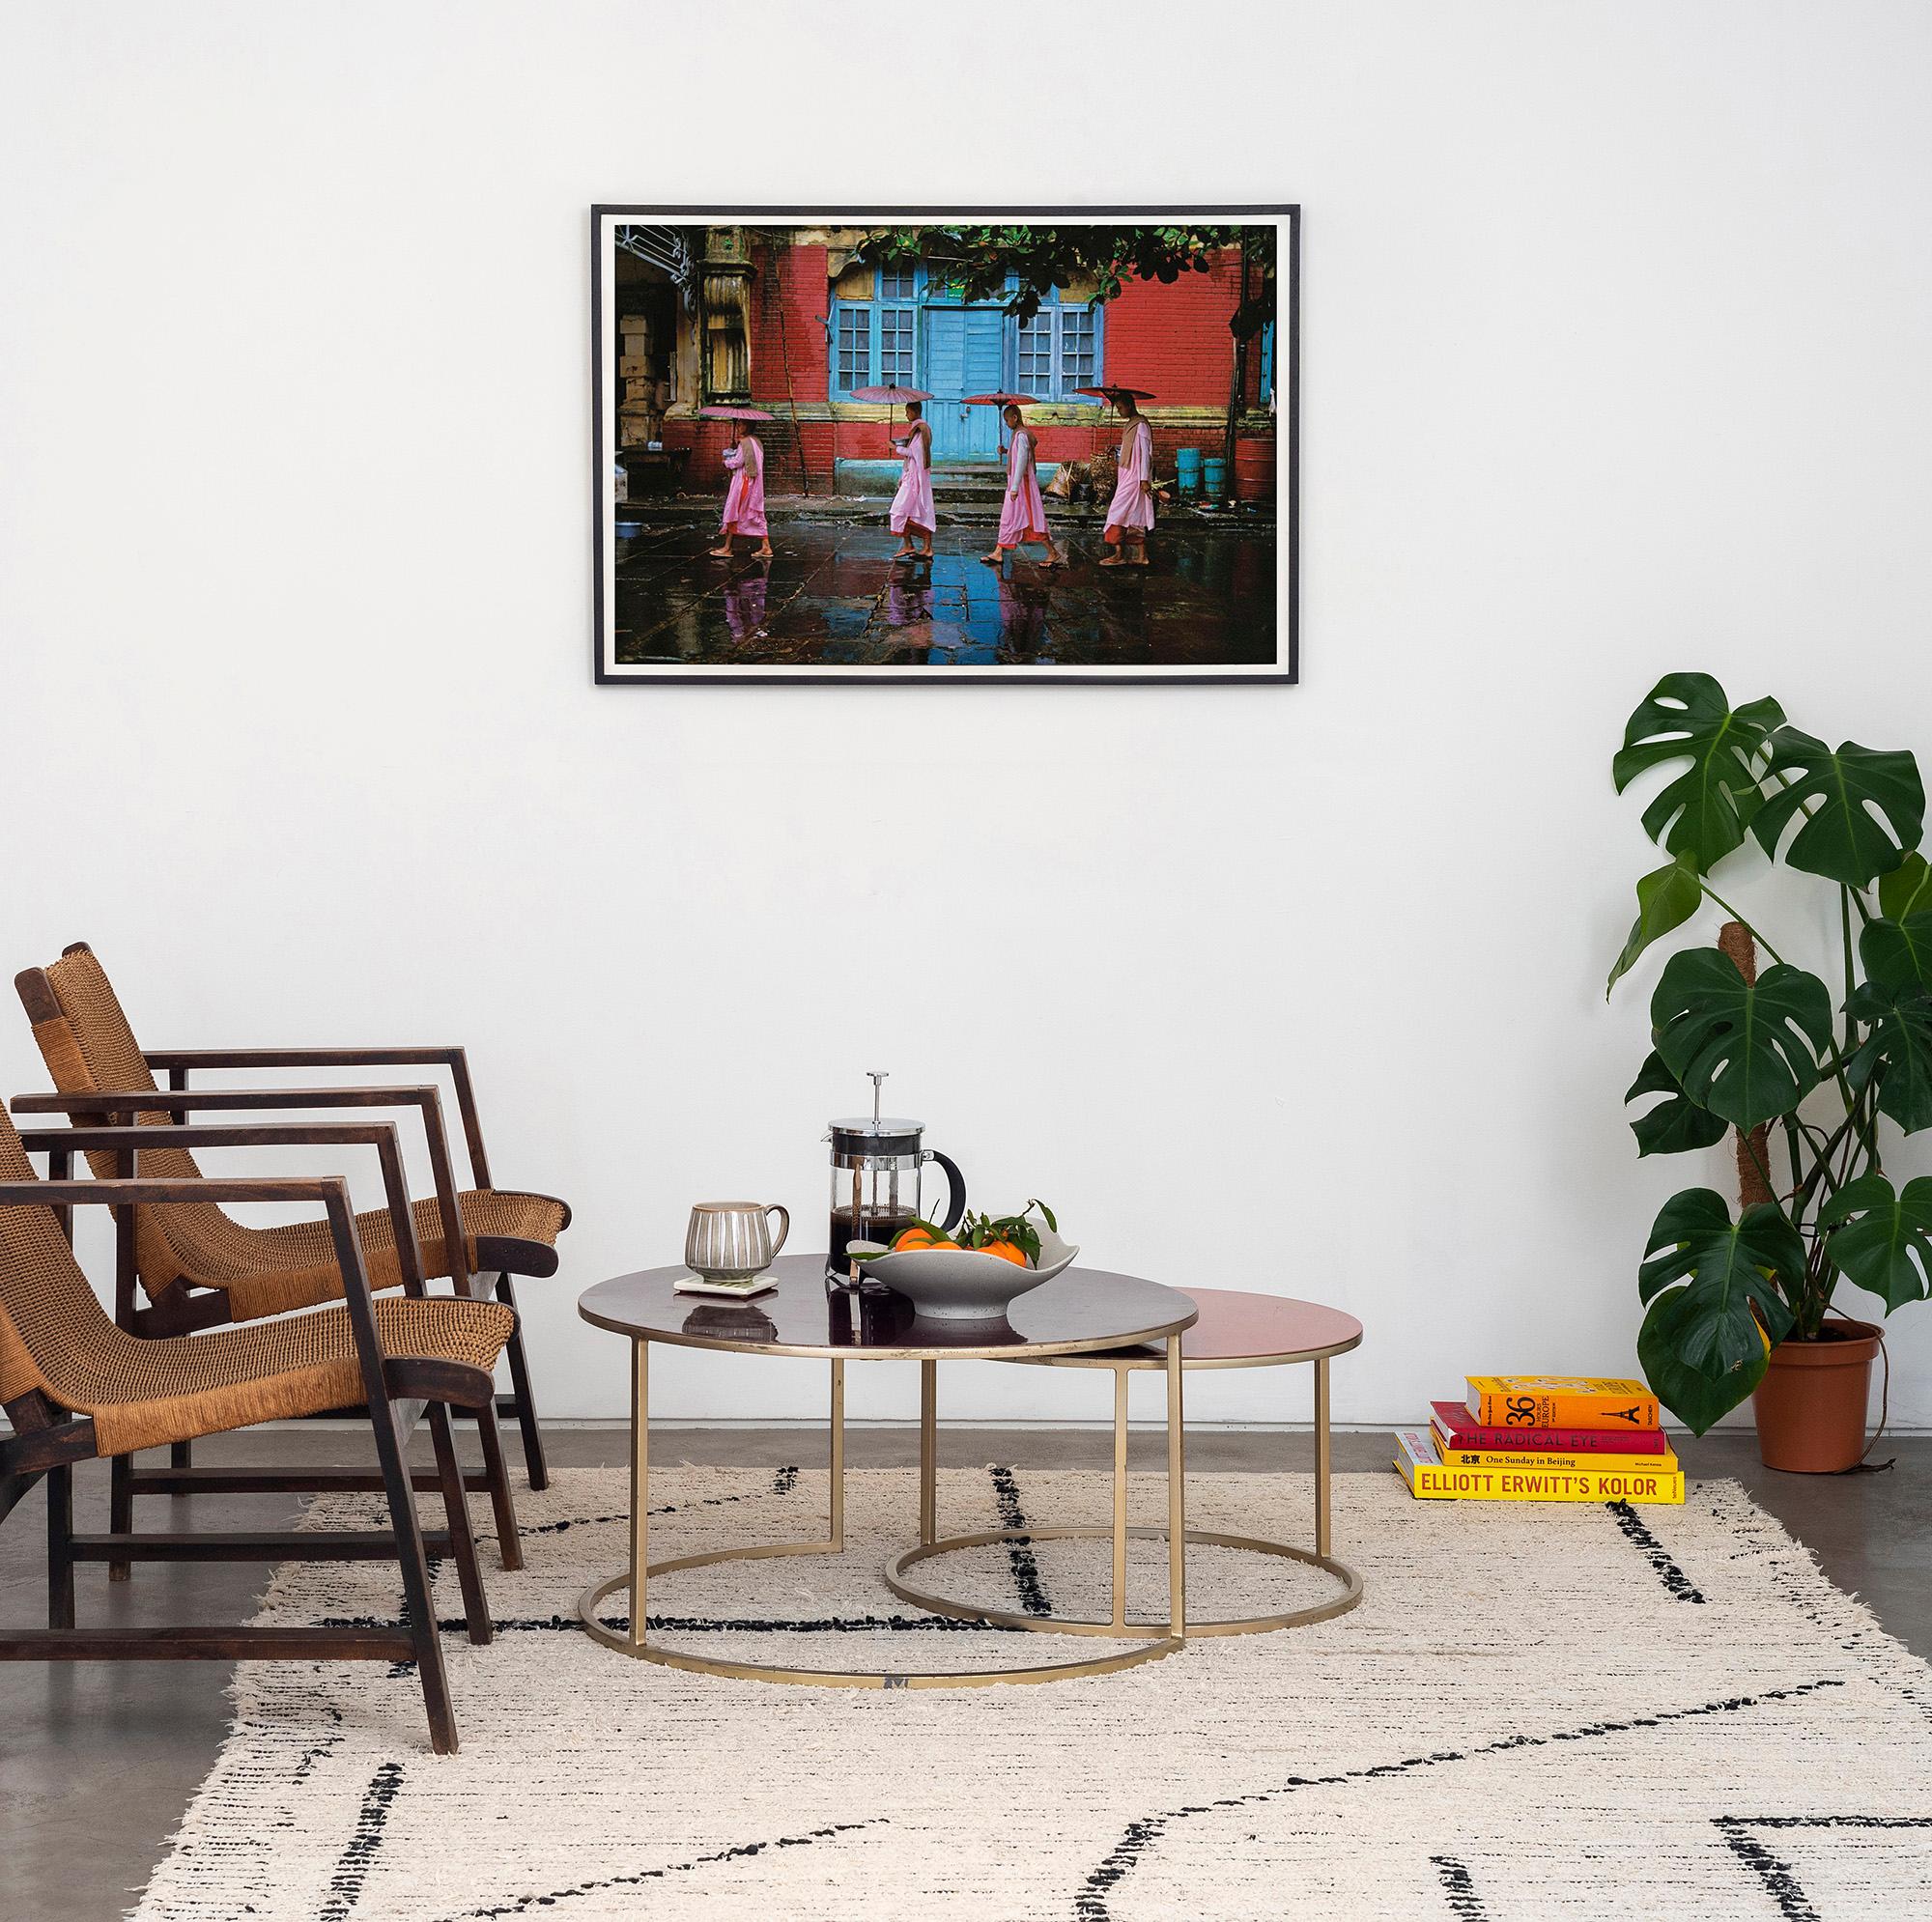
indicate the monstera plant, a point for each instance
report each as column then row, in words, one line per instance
column 1819, row 1079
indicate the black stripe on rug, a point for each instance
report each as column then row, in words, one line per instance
column 698, row 1624
column 522, row 1905
column 1019, row 1550
column 358, row 1857
column 1673, row 1578
column 1779, row 1879
column 784, row 1482
column 1458, row 1886
column 1121, row 1861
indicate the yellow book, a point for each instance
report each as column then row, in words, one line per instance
column 1561, row 1402
column 1432, row 1480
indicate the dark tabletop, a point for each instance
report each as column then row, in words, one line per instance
column 1082, row 1309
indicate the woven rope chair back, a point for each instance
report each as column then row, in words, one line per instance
column 90, row 1046
column 52, row 1329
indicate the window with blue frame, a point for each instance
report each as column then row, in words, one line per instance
column 875, row 340
column 1057, row 351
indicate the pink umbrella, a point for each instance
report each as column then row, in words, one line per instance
column 1108, row 393
column 889, row 396
column 999, row 400
column 734, row 413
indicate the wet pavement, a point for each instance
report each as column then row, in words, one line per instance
column 832, row 595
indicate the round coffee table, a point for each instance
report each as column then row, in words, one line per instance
column 1078, row 1312
column 1235, row 1329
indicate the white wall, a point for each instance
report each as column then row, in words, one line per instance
column 1615, row 319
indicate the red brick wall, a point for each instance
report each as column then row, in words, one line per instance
column 789, row 300
column 1172, row 338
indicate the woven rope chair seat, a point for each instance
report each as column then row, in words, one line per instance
column 267, row 1270
column 264, row 1271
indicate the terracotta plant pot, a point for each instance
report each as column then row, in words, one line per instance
column 1811, row 1404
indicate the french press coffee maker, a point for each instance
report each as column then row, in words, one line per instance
column 877, row 1164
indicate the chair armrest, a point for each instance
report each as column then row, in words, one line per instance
column 183, row 1101
column 379, row 1135
column 177, row 1061
column 331, row 1191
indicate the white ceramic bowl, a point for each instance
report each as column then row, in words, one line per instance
column 965, row 1283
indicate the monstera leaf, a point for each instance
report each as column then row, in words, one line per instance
column 1897, row 953
column 1704, row 812
column 1674, row 1126
column 1666, row 898
column 1695, row 1398
column 1862, row 810
column 1747, row 1052
column 1881, row 1239
column 1713, row 1303
column 1907, row 890
column 1899, row 1047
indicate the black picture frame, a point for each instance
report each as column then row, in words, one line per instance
column 1287, row 672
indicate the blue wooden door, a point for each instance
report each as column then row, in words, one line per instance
column 962, row 356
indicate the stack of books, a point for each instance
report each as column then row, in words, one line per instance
column 1541, row 1438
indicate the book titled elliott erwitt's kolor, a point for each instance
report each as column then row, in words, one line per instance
column 1543, row 1438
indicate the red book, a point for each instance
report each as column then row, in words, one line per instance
column 1464, row 1431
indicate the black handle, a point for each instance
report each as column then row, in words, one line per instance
column 955, row 1182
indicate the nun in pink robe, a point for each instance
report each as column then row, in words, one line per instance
column 1023, row 513
column 1131, row 514
column 745, row 500
column 912, row 504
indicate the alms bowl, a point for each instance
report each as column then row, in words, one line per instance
column 964, row 1283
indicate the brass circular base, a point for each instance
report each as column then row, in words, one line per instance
column 1160, row 1644
column 1058, row 1624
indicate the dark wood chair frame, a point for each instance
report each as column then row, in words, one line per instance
column 124, row 1141
column 48, row 1441
column 180, row 1307
column 184, row 1307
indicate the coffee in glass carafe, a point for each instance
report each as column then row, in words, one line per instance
column 876, row 1167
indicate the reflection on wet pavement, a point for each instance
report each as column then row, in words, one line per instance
column 833, row 597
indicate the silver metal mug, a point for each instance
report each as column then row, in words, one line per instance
column 730, row 1241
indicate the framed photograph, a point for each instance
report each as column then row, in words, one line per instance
column 897, row 444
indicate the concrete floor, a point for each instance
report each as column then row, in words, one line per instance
column 98, row 1762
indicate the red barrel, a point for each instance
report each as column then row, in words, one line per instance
column 1254, row 467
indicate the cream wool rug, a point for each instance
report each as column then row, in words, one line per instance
column 1535, row 1712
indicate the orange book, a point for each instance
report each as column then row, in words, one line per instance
column 1561, row 1402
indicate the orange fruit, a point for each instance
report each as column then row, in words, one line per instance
column 1006, row 1251
column 916, row 1238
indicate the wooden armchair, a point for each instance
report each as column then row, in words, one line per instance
column 75, row 1387
column 198, row 1265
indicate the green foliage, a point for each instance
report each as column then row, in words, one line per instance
column 1702, row 814
column 1674, row 1126
column 1883, row 1239
column 1731, row 1052
column 978, row 259
column 1710, row 1286
column 1907, row 890
column 1746, row 1051
column 1834, row 795
column 1666, row 899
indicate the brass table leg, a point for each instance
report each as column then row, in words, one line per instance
column 928, row 1449
column 1177, row 1497
column 640, row 1488
column 1119, row 1498
column 836, row 1457
column 1321, row 1456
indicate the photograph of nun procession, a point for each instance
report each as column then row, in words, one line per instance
column 928, row 443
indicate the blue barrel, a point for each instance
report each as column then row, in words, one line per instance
column 1187, row 469
column 1214, row 477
